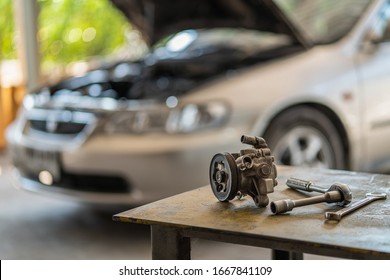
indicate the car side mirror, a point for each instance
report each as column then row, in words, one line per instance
column 386, row 33
column 370, row 42
column 372, row 37
column 375, row 37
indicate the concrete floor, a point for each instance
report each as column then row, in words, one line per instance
column 38, row 227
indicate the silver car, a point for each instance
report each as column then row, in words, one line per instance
column 311, row 77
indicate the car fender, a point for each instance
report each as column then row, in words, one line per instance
column 350, row 135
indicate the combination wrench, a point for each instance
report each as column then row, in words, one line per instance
column 370, row 197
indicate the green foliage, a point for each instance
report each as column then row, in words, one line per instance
column 69, row 30
column 75, row 30
column 7, row 46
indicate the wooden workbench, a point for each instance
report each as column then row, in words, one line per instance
column 364, row 234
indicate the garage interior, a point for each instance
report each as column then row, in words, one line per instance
column 37, row 226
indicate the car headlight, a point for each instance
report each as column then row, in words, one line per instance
column 195, row 117
column 182, row 119
column 137, row 121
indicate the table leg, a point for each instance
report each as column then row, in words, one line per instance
column 169, row 244
column 286, row 255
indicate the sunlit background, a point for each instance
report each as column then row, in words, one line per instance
column 70, row 32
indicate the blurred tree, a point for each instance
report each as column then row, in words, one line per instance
column 69, row 30
column 7, row 46
column 75, row 30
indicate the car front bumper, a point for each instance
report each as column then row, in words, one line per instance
column 143, row 168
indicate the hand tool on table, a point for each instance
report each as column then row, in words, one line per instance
column 370, row 197
column 338, row 193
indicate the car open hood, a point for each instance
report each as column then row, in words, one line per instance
column 156, row 19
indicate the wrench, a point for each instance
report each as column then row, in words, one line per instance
column 354, row 206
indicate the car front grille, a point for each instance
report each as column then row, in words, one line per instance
column 59, row 122
column 57, row 127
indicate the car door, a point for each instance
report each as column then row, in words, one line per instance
column 374, row 69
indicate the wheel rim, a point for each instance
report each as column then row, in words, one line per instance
column 304, row 146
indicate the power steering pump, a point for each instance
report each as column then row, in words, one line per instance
column 250, row 172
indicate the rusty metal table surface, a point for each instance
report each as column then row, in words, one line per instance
column 364, row 234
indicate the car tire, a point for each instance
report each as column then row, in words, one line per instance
column 305, row 136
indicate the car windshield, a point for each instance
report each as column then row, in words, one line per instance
column 324, row 21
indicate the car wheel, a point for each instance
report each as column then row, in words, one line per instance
column 304, row 136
